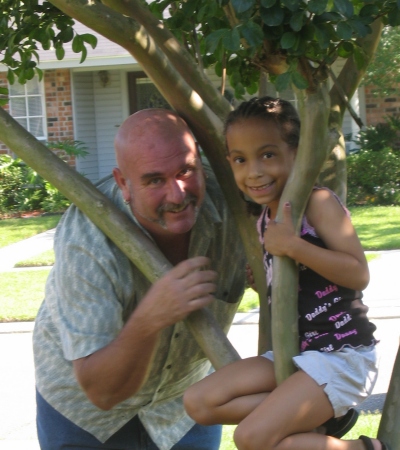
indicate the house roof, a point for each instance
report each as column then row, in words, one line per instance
column 106, row 53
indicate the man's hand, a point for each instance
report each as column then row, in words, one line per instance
column 118, row 370
column 185, row 288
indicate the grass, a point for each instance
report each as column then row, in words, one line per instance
column 14, row 230
column 367, row 424
column 21, row 294
column 43, row 259
column 377, row 226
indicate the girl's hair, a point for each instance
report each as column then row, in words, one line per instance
column 272, row 109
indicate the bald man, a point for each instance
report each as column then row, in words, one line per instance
column 112, row 355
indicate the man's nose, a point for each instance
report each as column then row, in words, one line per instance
column 175, row 191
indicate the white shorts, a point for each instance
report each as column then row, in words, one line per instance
column 349, row 375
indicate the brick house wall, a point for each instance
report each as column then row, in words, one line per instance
column 58, row 104
column 377, row 108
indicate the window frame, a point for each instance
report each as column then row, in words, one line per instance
column 26, row 95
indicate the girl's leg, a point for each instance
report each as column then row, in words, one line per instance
column 228, row 395
column 285, row 418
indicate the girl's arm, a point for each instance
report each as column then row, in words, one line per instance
column 342, row 262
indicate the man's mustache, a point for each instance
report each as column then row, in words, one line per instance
column 177, row 207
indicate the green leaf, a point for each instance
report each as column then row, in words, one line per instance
column 359, row 28
column 231, row 40
column 268, row 3
column 322, row 36
column 77, row 44
column 369, row 10
column 394, row 17
column 252, row 88
column 345, row 7
column 218, row 69
column 66, row 35
column 3, row 90
column 273, row 16
column 10, row 76
column 298, row 80
column 239, row 90
column 253, row 33
column 288, row 40
column 90, row 39
column 241, row 6
column 296, row 21
column 60, row 52
column 345, row 49
column 344, row 31
column 291, row 5
column 46, row 44
column 317, row 6
column 40, row 73
column 84, row 54
column 213, row 39
column 282, row 81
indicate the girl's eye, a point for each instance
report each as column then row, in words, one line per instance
column 268, row 155
column 238, row 160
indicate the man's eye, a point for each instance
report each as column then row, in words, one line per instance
column 185, row 173
column 155, row 181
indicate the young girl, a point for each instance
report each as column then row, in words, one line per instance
column 337, row 361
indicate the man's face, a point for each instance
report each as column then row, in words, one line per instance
column 166, row 185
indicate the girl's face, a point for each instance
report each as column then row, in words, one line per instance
column 260, row 160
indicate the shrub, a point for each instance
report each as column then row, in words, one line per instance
column 374, row 177
column 380, row 136
column 22, row 189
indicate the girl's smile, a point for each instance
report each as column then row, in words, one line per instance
column 260, row 159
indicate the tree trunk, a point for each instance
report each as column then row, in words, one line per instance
column 334, row 174
column 389, row 430
column 311, row 155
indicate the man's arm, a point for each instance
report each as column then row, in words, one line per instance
column 117, row 371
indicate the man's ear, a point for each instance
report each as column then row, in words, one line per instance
column 122, row 183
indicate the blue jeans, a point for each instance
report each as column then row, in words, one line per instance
column 55, row 432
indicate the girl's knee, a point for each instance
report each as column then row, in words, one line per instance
column 246, row 437
column 195, row 403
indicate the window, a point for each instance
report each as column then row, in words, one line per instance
column 143, row 94
column 27, row 106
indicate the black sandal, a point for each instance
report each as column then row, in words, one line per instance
column 339, row 427
column 369, row 446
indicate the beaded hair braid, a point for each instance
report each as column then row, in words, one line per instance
column 276, row 110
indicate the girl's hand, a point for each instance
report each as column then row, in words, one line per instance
column 250, row 278
column 279, row 235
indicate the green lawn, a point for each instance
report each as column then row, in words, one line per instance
column 14, row 230
column 378, row 228
column 21, row 294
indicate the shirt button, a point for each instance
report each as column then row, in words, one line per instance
column 176, row 335
column 169, row 366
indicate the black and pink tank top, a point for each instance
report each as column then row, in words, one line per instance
column 330, row 316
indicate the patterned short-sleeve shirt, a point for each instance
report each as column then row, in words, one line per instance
column 90, row 293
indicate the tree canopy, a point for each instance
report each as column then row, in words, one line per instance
column 294, row 41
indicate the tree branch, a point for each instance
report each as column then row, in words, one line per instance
column 180, row 58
